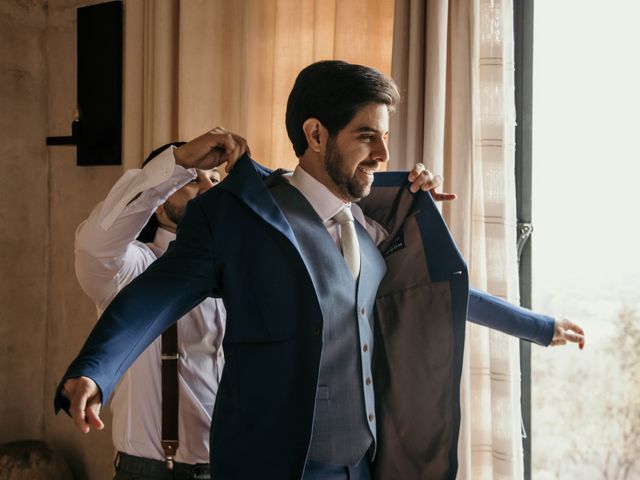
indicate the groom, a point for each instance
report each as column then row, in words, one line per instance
column 345, row 324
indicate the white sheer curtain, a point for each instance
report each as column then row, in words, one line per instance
column 453, row 60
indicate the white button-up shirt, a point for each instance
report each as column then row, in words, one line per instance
column 327, row 204
column 108, row 257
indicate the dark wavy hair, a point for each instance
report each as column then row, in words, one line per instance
column 333, row 91
column 148, row 233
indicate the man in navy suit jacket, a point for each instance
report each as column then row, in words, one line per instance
column 263, row 247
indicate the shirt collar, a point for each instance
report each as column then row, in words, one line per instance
column 163, row 238
column 324, row 202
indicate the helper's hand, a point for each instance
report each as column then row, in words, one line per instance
column 566, row 331
column 211, row 150
column 86, row 402
column 423, row 179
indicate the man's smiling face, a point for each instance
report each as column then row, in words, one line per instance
column 355, row 152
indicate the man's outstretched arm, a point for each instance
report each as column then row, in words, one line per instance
column 493, row 312
column 169, row 288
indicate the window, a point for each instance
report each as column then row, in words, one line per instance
column 585, row 250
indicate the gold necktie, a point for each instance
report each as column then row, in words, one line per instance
column 348, row 240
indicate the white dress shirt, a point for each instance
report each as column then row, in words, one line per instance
column 108, row 257
column 327, row 204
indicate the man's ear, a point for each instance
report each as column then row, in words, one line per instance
column 159, row 211
column 315, row 134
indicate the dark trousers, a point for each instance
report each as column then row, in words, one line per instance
column 129, row 467
column 323, row 471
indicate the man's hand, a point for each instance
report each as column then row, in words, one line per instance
column 86, row 402
column 423, row 179
column 566, row 331
column 211, row 150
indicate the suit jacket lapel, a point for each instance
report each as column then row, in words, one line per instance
column 246, row 182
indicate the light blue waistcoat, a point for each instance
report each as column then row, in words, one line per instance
column 344, row 425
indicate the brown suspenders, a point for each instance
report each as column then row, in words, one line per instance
column 169, row 358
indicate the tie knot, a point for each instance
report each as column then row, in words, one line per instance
column 344, row 216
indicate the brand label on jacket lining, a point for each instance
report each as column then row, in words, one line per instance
column 395, row 245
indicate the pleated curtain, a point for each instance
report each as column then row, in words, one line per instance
column 193, row 64
column 453, row 60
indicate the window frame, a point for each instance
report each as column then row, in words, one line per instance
column 523, row 70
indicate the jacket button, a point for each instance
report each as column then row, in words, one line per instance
column 317, row 331
column 365, row 348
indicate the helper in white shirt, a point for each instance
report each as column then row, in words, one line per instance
column 108, row 257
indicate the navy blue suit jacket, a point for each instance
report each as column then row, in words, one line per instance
column 235, row 243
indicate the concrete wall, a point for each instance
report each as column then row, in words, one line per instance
column 44, row 315
column 23, row 218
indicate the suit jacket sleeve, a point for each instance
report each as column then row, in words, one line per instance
column 493, row 312
column 156, row 299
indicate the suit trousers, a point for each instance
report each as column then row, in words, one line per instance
column 323, row 471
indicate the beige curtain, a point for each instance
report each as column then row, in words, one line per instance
column 453, row 60
column 193, row 64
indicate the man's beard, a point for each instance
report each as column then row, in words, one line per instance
column 347, row 184
column 174, row 213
